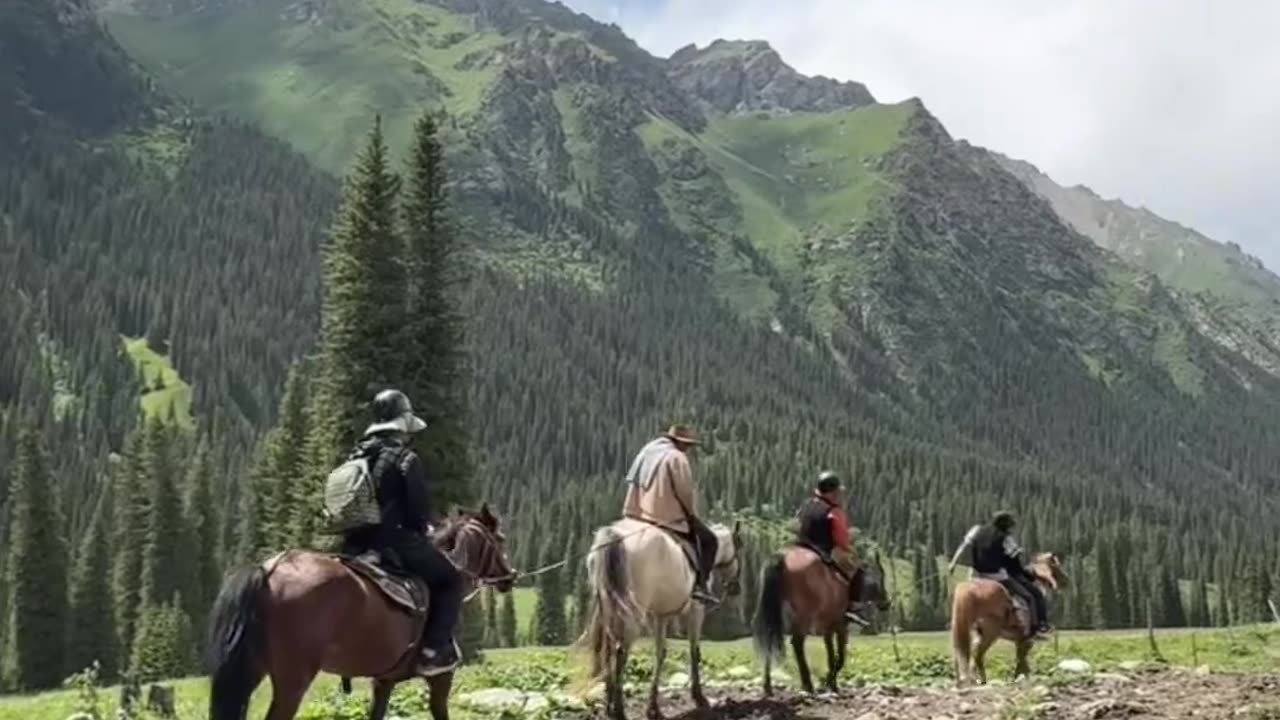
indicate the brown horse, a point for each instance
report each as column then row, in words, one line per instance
column 800, row 581
column 305, row 612
column 986, row 608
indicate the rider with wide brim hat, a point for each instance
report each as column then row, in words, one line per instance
column 660, row 491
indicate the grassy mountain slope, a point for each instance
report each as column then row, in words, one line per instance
column 919, row 263
column 1233, row 297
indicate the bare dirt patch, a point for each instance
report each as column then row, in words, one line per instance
column 1151, row 694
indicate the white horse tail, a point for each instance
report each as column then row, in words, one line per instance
column 614, row 616
column 768, row 626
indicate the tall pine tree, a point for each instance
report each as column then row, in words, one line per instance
column 92, row 631
column 280, row 471
column 435, row 373
column 163, row 553
column 35, row 581
column 201, row 528
column 128, row 527
column 360, row 321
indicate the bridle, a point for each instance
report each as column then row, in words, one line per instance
column 489, row 552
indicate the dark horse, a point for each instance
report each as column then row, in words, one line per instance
column 799, row 580
column 305, row 612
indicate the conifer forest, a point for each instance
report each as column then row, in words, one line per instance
column 556, row 249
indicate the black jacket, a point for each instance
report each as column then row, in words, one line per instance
column 402, row 485
column 994, row 551
column 815, row 525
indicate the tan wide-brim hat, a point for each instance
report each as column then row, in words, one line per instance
column 681, row 434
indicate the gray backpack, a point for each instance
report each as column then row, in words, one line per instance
column 350, row 498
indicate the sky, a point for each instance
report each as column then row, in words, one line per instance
column 1169, row 104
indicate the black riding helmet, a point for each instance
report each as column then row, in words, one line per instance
column 828, row 481
column 393, row 411
column 1003, row 521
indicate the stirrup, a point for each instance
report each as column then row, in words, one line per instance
column 704, row 597
column 853, row 617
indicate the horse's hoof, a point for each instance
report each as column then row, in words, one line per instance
column 654, row 713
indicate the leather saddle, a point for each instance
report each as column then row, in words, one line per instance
column 826, row 557
column 383, row 572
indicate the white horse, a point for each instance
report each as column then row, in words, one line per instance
column 641, row 578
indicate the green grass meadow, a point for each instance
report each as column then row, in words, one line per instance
column 919, row 659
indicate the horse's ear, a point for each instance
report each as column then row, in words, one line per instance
column 487, row 516
column 737, row 527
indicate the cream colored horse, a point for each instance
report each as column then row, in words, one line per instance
column 985, row 609
column 641, row 579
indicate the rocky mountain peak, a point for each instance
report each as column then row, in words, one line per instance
column 737, row 76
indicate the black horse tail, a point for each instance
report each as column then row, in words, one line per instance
column 237, row 626
column 768, row 624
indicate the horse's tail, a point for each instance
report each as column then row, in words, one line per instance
column 768, row 623
column 236, row 640
column 961, row 630
column 614, row 616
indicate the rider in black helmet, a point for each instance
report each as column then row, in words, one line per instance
column 404, row 504
column 994, row 554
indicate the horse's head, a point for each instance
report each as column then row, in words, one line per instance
column 870, row 584
column 1047, row 568
column 728, row 566
column 476, row 544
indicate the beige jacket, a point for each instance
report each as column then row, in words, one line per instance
column 657, row 498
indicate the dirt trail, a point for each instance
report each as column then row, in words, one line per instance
column 1152, row 694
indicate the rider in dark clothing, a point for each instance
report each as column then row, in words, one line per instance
column 402, row 490
column 824, row 528
column 994, row 553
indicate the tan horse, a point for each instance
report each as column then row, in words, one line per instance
column 801, row 595
column 986, row 609
column 305, row 612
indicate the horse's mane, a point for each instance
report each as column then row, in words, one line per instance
column 447, row 536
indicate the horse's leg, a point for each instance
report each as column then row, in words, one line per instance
column 696, row 614
column 768, row 674
column 615, row 702
column 438, row 689
column 842, row 646
column 288, row 687
column 980, row 655
column 381, row 697
column 1022, row 668
column 828, row 641
column 802, row 663
column 659, row 654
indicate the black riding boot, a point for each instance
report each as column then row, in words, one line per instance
column 705, row 547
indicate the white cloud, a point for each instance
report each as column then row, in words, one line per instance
column 1172, row 104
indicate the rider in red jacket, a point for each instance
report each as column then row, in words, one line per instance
column 824, row 528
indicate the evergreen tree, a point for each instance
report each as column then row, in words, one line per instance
column 360, row 321
column 1198, row 607
column 128, row 527
column 508, row 630
column 164, row 554
column 35, row 581
column 550, row 626
column 165, row 643
column 491, row 638
column 1222, row 607
column 200, row 526
column 435, row 375
column 280, row 469
column 471, row 633
column 91, row 633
